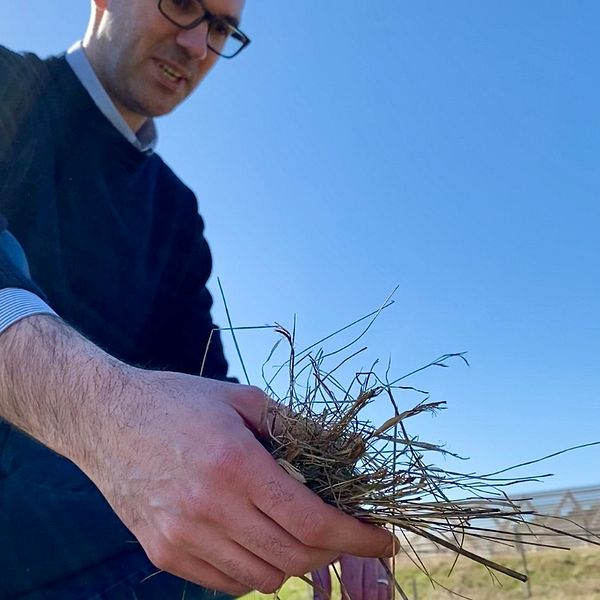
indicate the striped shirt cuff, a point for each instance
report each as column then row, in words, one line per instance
column 16, row 304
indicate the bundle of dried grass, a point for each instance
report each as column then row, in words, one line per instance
column 380, row 473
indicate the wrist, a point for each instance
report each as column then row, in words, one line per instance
column 57, row 386
column 108, row 395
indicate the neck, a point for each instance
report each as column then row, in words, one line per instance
column 134, row 120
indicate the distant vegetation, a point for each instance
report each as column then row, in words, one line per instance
column 554, row 575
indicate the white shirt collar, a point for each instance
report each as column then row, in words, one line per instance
column 146, row 138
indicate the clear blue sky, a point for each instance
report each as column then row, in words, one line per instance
column 450, row 148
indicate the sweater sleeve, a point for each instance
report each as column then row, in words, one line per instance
column 18, row 91
column 11, row 275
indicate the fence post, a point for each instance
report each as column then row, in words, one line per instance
column 521, row 548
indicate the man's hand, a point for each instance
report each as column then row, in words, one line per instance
column 177, row 458
column 207, row 501
column 361, row 579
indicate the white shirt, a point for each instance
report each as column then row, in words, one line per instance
column 145, row 139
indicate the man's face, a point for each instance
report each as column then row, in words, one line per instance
column 147, row 64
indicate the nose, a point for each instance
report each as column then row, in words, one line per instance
column 195, row 41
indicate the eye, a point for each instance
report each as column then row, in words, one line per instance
column 183, row 5
column 221, row 28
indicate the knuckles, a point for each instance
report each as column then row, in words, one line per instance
column 270, row 584
column 229, row 461
column 265, row 580
column 312, row 529
column 248, row 394
column 255, row 393
column 293, row 558
column 161, row 557
column 298, row 564
column 176, row 534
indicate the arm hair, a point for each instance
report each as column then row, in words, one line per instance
column 59, row 388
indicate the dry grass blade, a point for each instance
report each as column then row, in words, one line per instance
column 379, row 473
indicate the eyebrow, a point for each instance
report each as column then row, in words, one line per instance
column 229, row 18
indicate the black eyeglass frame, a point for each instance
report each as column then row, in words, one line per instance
column 208, row 16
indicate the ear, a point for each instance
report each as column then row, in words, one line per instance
column 98, row 9
column 101, row 5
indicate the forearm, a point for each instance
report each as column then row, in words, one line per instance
column 177, row 458
column 59, row 388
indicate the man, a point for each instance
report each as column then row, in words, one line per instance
column 113, row 243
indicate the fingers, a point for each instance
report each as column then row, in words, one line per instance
column 309, row 520
column 321, row 579
column 274, row 525
column 240, row 565
column 267, row 540
column 202, row 573
column 293, row 506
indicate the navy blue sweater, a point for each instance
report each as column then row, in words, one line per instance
column 113, row 238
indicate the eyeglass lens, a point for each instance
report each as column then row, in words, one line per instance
column 223, row 38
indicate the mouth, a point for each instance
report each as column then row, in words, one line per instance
column 170, row 73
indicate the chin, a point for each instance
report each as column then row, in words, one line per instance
column 161, row 111
column 165, row 106
column 151, row 111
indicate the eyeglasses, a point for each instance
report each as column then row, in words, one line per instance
column 224, row 38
